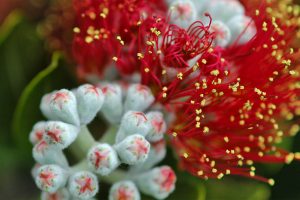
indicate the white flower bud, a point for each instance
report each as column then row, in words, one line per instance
column 222, row 33
column 133, row 123
column 38, row 130
column 158, row 126
column 124, row 190
column 44, row 105
column 183, row 13
column 50, row 178
column 112, row 108
column 34, row 170
column 224, row 10
column 63, row 107
column 159, row 182
column 60, row 134
column 139, row 98
column 103, row 159
column 200, row 5
column 89, row 101
column 133, row 149
column 62, row 194
column 83, row 185
column 242, row 29
column 43, row 153
column 157, row 153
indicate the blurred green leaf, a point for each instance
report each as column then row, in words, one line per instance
column 28, row 112
column 21, row 57
column 236, row 189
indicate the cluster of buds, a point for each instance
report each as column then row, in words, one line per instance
column 230, row 23
column 135, row 139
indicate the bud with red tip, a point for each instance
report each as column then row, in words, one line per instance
column 158, row 182
column 124, row 190
column 89, row 101
column 38, row 130
column 133, row 122
column 139, row 98
column 158, row 126
column 60, row 134
column 83, row 185
column 50, row 178
column 112, row 108
column 133, row 149
column 62, row 106
column 103, row 159
column 61, row 194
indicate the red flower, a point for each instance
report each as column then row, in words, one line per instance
column 107, row 30
column 231, row 103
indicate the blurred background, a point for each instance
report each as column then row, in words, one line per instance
column 24, row 54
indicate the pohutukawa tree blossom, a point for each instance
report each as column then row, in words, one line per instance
column 231, row 103
column 226, row 70
column 106, row 31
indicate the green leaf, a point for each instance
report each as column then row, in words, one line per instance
column 27, row 112
column 21, row 57
column 237, row 189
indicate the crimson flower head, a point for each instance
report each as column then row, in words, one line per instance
column 233, row 104
column 106, row 32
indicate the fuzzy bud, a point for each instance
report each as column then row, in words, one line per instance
column 60, row 134
column 36, row 135
column 44, row 105
column 157, row 153
column 242, row 28
column 139, row 98
column 183, row 13
column 89, row 101
column 45, row 154
column 158, row 126
column 83, row 185
column 133, row 149
column 62, row 194
column 159, row 182
column 124, row 190
column 222, row 33
column 103, row 159
column 133, row 123
column 112, row 108
column 50, row 178
column 224, row 10
column 63, row 107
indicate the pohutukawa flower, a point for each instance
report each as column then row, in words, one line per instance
column 83, row 185
column 159, row 182
column 103, row 159
column 124, row 190
column 50, row 178
column 100, row 38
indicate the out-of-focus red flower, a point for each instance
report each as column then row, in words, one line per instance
column 106, row 31
column 233, row 105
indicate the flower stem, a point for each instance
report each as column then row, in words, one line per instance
column 82, row 144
